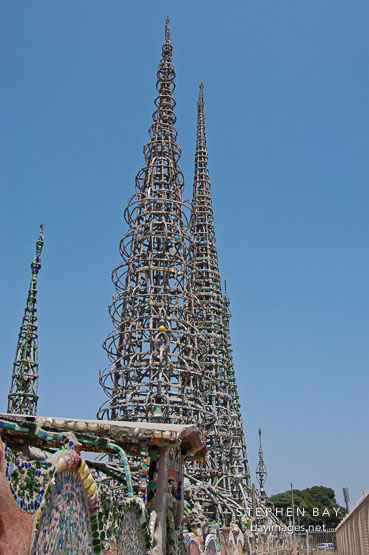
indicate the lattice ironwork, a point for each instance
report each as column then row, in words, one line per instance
column 239, row 466
column 154, row 372
column 261, row 472
column 226, row 464
column 23, row 395
column 209, row 316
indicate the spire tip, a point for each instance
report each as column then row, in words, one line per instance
column 167, row 28
column 201, row 94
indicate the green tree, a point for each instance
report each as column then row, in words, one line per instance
column 317, row 507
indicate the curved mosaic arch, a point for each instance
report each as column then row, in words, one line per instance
column 64, row 520
column 131, row 539
column 191, row 545
column 223, row 544
column 210, row 545
column 67, row 521
column 133, row 536
column 236, row 541
column 240, row 543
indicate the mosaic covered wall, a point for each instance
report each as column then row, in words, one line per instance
column 131, row 539
column 130, row 499
column 67, row 511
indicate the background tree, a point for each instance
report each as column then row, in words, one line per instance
column 320, row 498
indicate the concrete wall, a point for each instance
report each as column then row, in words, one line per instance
column 15, row 525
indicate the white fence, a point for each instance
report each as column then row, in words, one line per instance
column 353, row 532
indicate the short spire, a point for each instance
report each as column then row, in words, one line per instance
column 261, row 471
column 167, row 29
column 23, row 395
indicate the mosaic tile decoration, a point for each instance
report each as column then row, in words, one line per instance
column 131, row 538
column 210, row 545
column 64, row 520
column 231, row 539
column 172, row 536
column 27, row 480
column 191, row 544
column 223, row 544
column 236, row 540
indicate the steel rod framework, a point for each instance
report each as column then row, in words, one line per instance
column 170, row 351
column 154, row 372
column 209, row 317
column 23, row 394
column 239, row 465
column 261, row 472
column 227, row 460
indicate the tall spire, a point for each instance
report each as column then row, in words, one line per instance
column 261, row 471
column 154, row 372
column 227, row 462
column 238, row 454
column 208, row 317
column 23, row 395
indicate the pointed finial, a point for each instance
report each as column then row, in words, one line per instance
column 201, row 95
column 36, row 262
column 226, row 301
column 167, row 29
column 260, row 436
column 40, row 240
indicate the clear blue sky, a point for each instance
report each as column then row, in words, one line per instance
column 286, row 85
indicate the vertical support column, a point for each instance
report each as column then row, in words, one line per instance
column 160, row 501
column 180, row 504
